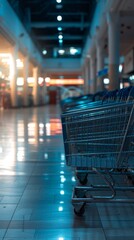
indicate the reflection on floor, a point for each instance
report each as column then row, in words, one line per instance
column 36, row 185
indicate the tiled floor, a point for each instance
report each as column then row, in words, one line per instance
column 36, row 185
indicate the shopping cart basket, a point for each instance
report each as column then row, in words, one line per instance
column 122, row 95
column 101, row 139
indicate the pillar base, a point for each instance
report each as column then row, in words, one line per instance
column 114, row 77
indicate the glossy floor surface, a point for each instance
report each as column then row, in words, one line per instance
column 36, row 185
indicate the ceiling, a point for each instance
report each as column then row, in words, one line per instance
column 58, row 39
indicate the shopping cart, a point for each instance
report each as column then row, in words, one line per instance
column 102, row 140
column 122, row 95
column 75, row 101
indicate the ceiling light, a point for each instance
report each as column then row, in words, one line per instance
column 40, row 80
column 20, row 81
column 59, row 28
column 60, row 41
column 19, row 63
column 61, row 51
column 106, row 80
column 30, row 80
column 73, row 51
column 60, row 36
column 59, row 18
column 59, row 6
column 131, row 77
column 47, row 79
column 58, row 1
column 120, row 68
column 44, row 52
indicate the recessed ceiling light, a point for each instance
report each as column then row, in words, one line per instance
column 47, row 79
column 106, row 80
column 44, row 52
column 59, row 6
column 73, row 51
column 60, row 41
column 61, row 51
column 58, row 1
column 59, row 18
column 60, row 36
column 59, row 28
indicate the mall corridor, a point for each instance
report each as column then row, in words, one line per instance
column 36, row 185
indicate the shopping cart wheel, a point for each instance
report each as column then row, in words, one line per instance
column 83, row 178
column 81, row 211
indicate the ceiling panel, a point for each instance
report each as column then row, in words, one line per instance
column 40, row 18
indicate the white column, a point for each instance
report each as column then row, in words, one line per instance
column 35, row 87
column 87, row 76
column 44, row 93
column 25, row 87
column 113, row 49
column 99, row 63
column 92, row 74
column 13, row 84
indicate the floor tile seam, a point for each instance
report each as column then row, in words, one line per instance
column 16, row 207
column 101, row 223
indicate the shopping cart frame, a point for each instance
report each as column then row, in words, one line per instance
column 80, row 194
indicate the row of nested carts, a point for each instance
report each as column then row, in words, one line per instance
column 98, row 134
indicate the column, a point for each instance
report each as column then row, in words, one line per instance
column 86, row 79
column 113, row 49
column 35, row 87
column 25, row 86
column 44, row 93
column 13, row 83
column 92, row 74
column 83, row 76
column 100, row 63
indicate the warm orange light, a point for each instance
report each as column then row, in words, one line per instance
column 53, row 127
column 66, row 81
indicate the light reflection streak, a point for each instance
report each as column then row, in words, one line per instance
column 60, row 209
column 10, row 158
column 20, row 154
column 7, row 172
column 48, row 132
column 46, row 156
column 1, row 149
column 62, row 163
column 21, row 140
column 73, row 179
column 20, row 129
column 41, row 129
column 62, row 156
column 41, row 125
column 63, row 180
column 31, row 140
column 31, row 129
column 53, row 127
column 62, row 192
column 41, row 140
